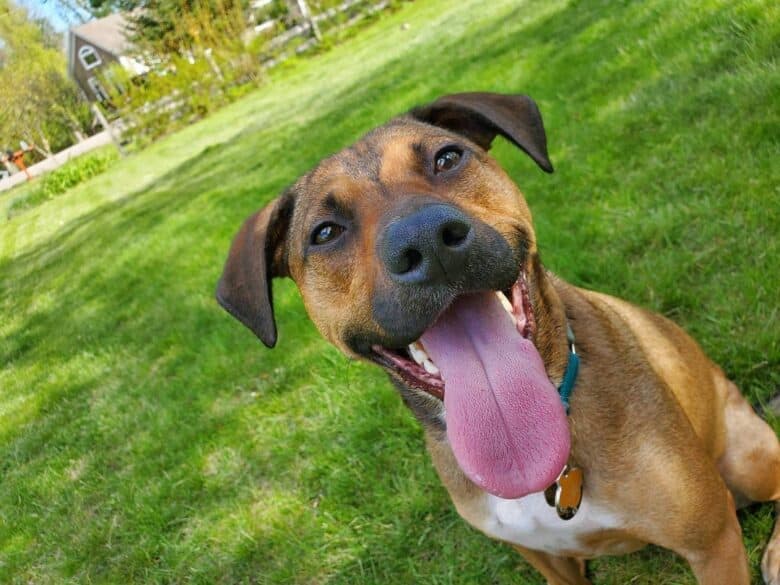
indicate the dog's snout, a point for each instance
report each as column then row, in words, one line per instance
column 429, row 245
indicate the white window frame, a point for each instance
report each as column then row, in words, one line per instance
column 86, row 51
column 97, row 89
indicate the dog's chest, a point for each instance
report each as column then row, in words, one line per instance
column 532, row 523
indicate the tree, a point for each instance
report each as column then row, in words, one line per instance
column 171, row 26
column 40, row 105
column 81, row 10
column 183, row 26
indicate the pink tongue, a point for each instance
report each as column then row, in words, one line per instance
column 505, row 422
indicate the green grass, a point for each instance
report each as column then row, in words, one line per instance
column 147, row 437
column 60, row 180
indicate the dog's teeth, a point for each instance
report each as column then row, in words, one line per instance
column 504, row 301
column 418, row 353
column 507, row 306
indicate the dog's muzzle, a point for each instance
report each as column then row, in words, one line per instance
column 428, row 253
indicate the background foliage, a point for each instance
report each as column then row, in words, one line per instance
column 203, row 55
column 38, row 102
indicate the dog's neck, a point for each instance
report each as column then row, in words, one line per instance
column 551, row 321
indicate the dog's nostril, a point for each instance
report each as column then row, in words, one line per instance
column 408, row 261
column 454, row 233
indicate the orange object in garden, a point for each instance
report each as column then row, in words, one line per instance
column 18, row 159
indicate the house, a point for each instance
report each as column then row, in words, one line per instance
column 95, row 45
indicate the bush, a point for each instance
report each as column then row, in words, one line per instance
column 201, row 59
column 67, row 176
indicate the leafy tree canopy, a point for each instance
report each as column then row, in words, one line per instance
column 40, row 105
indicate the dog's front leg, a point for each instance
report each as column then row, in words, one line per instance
column 557, row 570
column 724, row 560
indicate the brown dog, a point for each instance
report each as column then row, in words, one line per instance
column 413, row 250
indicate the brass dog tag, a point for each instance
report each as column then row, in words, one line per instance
column 566, row 493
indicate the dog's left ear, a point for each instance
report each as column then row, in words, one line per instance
column 256, row 256
column 481, row 116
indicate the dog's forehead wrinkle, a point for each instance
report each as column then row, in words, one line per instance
column 399, row 141
column 334, row 204
column 387, row 154
column 380, row 162
column 400, row 161
column 361, row 160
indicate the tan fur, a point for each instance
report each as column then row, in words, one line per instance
column 660, row 433
column 557, row 570
column 770, row 564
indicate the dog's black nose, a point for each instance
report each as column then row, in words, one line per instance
column 429, row 245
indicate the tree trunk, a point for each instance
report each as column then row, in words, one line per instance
column 75, row 126
column 108, row 127
column 44, row 143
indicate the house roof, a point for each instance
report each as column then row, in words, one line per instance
column 108, row 33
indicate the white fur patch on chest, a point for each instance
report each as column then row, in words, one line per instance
column 531, row 523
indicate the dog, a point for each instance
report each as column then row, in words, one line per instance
column 565, row 422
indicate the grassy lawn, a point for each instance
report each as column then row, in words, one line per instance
column 147, row 437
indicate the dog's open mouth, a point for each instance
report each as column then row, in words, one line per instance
column 416, row 368
column 505, row 422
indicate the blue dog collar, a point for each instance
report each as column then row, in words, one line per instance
column 572, row 367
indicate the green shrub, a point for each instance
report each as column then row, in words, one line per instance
column 60, row 180
column 213, row 63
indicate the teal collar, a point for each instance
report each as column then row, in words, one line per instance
column 572, row 367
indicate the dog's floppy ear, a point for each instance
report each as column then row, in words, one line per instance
column 256, row 256
column 481, row 116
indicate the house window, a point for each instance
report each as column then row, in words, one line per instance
column 97, row 88
column 89, row 57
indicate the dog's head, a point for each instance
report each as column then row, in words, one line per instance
column 406, row 246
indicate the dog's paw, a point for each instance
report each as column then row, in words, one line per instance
column 770, row 565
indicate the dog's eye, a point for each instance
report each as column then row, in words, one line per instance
column 447, row 159
column 326, row 232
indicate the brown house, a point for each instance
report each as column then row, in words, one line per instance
column 95, row 45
